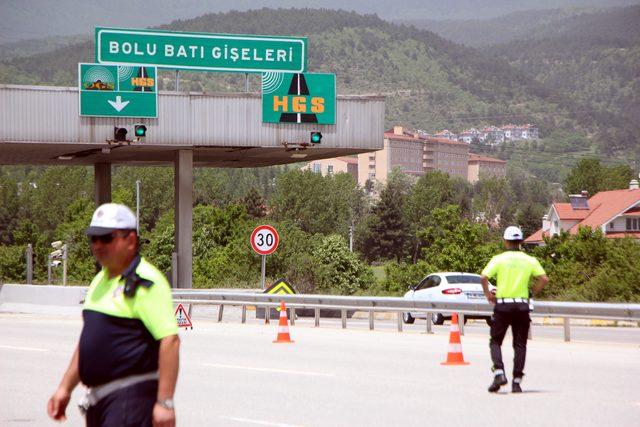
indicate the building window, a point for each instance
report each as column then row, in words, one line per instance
column 633, row 224
column 316, row 167
column 330, row 169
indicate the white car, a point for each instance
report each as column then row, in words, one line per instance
column 443, row 287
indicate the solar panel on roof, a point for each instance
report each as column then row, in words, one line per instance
column 578, row 202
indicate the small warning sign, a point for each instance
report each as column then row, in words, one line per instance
column 280, row 287
column 183, row 318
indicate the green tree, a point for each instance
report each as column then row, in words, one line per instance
column 342, row 273
column 315, row 203
column 8, row 208
column 455, row 244
column 388, row 232
column 12, row 264
column 588, row 266
column 592, row 176
column 494, row 202
column 254, row 203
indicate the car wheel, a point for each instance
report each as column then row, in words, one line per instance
column 437, row 318
column 408, row 318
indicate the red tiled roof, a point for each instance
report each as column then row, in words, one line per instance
column 536, row 237
column 476, row 158
column 565, row 211
column 606, row 205
column 603, row 207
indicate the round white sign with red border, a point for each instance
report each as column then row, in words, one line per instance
column 264, row 239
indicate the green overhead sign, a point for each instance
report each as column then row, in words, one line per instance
column 117, row 91
column 299, row 98
column 201, row 51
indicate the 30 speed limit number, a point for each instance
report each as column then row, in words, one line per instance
column 264, row 239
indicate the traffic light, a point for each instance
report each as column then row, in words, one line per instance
column 316, row 137
column 119, row 134
column 140, row 131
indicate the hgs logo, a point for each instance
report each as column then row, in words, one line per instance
column 142, row 81
column 298, row 104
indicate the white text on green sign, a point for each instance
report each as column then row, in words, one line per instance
column 299, row 98
column 117, row 91
column 201, row 51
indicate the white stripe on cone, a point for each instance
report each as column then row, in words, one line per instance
column 455, row 348
column 283, row 330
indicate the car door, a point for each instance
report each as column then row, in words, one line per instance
column 424, row 290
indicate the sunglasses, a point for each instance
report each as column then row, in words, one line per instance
column 107, row 238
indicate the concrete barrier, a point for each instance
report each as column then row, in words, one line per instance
column 44, row 299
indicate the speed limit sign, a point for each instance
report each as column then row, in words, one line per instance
column 264, row 239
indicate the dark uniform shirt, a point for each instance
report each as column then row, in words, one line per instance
column 121, row 334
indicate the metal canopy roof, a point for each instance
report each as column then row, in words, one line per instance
column 41, row 125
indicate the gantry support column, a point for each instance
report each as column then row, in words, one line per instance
column 102, row 183
column 183, row 217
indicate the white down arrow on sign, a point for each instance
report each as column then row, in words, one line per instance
column 118, row 104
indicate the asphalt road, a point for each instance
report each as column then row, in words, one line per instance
column 233, row 375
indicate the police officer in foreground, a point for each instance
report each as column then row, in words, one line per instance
column 513, row 271
column 128, row 349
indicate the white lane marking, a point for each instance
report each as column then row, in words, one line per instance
column 9, row 347
column 278, row 371
column 262, row 423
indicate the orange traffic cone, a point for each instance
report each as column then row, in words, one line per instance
column 283, row 326
column 454, row 356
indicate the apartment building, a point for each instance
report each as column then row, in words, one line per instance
column 483, row 166
column 414, row 154
column 335, row 165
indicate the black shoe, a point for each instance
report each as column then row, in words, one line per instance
column 515, row 386
column 498, row 381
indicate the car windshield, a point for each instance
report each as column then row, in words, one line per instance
column 463, row 279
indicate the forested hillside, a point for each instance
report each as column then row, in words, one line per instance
column 592, row 59
column 28, row 19
column 479, row 32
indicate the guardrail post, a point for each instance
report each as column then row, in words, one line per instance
column 244, row 314
column 292, row 310
column 29, row 256
column 530, row 335
column 371, row 320
column 189, row 310
column 220, row 312
column 461, row 323
column 567, row 329
column 429, row 324
column 399, row 315
column 317, row 318
column 267, row 314
column 343, row 315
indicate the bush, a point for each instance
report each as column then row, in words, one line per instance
column 590, row 267
column 13, row 264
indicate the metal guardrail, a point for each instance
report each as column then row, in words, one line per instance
column 565, row 310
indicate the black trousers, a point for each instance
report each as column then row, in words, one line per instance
column 515, row 315
column 130, row 406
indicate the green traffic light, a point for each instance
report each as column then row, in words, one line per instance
column 140, row 131
column 316, row 137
